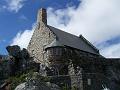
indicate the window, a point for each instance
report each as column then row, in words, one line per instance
column 89, row 81
column 49, row 34
column 54, row 51
column 33, row 52
column 58, row 51
column 48, row 52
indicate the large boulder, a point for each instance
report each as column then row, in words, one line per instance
column 21, row 86
column 19, row 60
column 37, row 82
column 40, row 86
column 14, row 50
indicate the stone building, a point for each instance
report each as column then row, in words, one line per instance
column 50, row 45
column 66, row 54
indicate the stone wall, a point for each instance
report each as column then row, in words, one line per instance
column 67, row 61
column 42, row 36
column 68, row 58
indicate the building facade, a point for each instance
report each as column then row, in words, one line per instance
column 66, row 54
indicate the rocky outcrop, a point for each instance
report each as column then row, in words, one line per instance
column 37, row 82
column 16, row 63
column 40, row 86
column 20, row 60
column 21, row 86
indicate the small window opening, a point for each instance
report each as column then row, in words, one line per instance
column 89, row 81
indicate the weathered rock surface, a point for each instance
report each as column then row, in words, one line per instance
column 36, row 82
column 13, row 50
column 21, row 86
column 20, row 60
column 41, row 86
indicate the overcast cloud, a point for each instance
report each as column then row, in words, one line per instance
column 96, row 20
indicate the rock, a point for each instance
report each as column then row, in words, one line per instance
column 37, row 82
column 25, row 53
column 14, row 50
column 35, row 86
column 53, row 86
column 19, row 60
column 21, row 86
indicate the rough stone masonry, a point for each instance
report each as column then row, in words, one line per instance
column 64, row 54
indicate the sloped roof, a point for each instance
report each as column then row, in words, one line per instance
column 73, row 41
column 54, row 44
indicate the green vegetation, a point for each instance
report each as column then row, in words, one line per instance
column 25, row 77
column 65, row 87
column 31, row 75
column 18, row 79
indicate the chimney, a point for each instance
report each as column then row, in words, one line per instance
column 42, row 16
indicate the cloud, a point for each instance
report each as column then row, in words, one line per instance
column 111, row 51
column 96, row 20
column 13, row 5
column 23, row 17
column 22, row 38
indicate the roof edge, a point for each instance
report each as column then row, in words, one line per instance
column 88, row 43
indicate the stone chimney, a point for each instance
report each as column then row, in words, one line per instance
column 42, row 16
